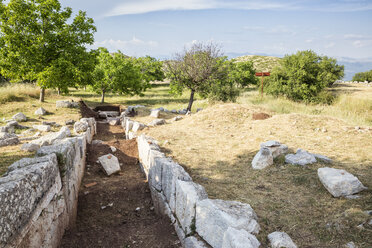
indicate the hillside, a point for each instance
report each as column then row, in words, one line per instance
column 260, row 63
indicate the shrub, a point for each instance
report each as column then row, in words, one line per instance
column 302, row 76
column 363, row 76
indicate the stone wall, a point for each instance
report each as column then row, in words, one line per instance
column 39, row 195
column 198, row 220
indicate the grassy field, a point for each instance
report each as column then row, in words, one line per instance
column 216, row 146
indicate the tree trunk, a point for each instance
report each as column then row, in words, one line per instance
column 59, row 91
column 103, row 96
column 42, row 94
column 191, row 101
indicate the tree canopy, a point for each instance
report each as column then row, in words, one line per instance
column 302, row 76
column 40, row 43
column 117, row 73
column 363, row 76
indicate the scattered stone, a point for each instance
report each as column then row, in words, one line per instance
column 110, row 164
column 275, row 147
column 88, row 185
column 52, row 137
column 42, row 128
column 324, row 130
column 281, row 239
column 174, row 111
column 322, row 158
column 155, row 113
column 97, row 142
column 80, row 127
column 66, row 104
column 339, row 182
column 9, row 141
column 40, row 111
column 28, row 131
column 301, row 157
column 113, row 149
column 182, row 112
column 157, row 122
column 29, row 147
column 350, row 245
column 69, row 122
column 113, row 121
column 262, row 159
column 177, row 118
column 4, row 135
column 105, row 114
column 138, row 209
column 50, row 123
column 138, row 126
column 234, row 238
column 19, row 117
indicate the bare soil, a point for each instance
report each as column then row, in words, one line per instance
column 107, row 215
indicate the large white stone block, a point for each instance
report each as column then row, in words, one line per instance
column 187, row 195
column 110, row 164
column 339, row 182
column 214, row 217
column 281, row 240
column 262, row 159
column 234, row 238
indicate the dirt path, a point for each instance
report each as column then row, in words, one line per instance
column 107, row 215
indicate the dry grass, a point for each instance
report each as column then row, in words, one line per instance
column 217, row 146
column 18, row 92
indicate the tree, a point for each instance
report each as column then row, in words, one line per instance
column 40, row 43
column 195, row 69
column 117, row 73
column 151, row 69
column 302, row 76
column 363, row 76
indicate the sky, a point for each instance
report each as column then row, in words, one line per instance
column 160, row 28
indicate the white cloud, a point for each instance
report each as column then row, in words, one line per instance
column 131, row 47
column 146, row 6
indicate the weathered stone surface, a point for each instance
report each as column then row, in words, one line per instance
column 262, row 159
column 234, row 238
column 105, row 114
column 301, row 157
column 322, row 158
column 66, row 104
column 137, row 126
column 187, row 194
column 110, row 164
column 172, row 171
column 214, row 217
column 177, row 118
column 155, row 171
column 113, row 148
column 4, row 129
column 40, row 111
column 131, row 135
column 29, row 147
column 9, row 141
column 50, row 138
column 69, row 122
column 80, row 127
column 97, row 142
column 157, row 122
column 113, row 121
column 339, row 182
column 20, row 193
column 128, row 125
column 275, row 147
column 155, row 113
column 42, row 128
column 281, row 239
column 350, row 245
column 192, row 242
column 51, row 123
column 19, row 117
column 4, row 135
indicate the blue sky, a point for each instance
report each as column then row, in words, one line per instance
column 339, row 28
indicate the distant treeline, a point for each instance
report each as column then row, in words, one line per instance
column 363, row 76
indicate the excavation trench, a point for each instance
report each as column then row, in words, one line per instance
column 117, row 211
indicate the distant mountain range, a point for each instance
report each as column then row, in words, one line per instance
column 352, row 65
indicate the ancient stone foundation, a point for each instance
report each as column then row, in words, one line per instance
column 39, row 195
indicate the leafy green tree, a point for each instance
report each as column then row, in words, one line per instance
column 40, row 43
column 302, row 76
column 363, row 76
column 151, row 69
column 117, row 73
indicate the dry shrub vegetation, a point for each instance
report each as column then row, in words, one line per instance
column 217, row 145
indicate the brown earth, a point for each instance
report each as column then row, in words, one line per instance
column 107, row 215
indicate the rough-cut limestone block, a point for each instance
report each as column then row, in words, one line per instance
column 9, row 141
column 172, row 171
column 155, row 171
column 66, row 104
column 19, row 117
column 322, row 158
column 192, row 242
column 281, row 239
column 339, row 182
column 187, row 195
column 20, row 193
column 131, row 135
column 42, row 128
column 214, row 217
column 52, row 137
column 80, row 127
column 129, row 125
column 40, row 111
column 110, row 164
column 234, row 238
column 91, row 123
column 138, row 126
column 262, row 159
column 275, row 147
column 155, row 113
column 105, row 114
column 301, row 157
column 160, row 204
column 157, row 122
column 29, row 147
column 89, row 135
column 113, row 121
